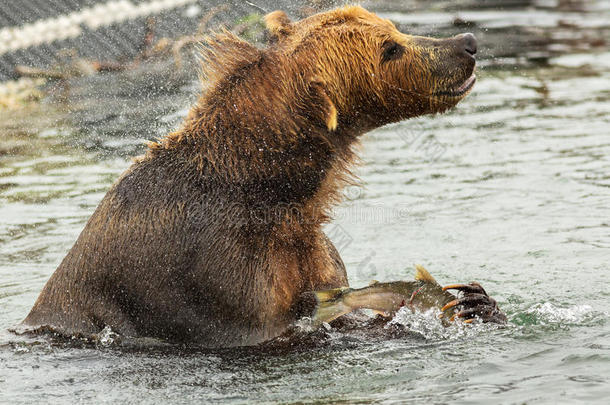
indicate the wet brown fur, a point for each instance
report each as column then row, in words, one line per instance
column 213, row 235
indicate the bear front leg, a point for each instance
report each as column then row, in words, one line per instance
column 475, row 303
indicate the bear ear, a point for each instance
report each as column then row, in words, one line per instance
column 327, row 108
column 278, row 24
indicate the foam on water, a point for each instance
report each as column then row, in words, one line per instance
column 547, row 313
column 428, row 325
column 107, row 337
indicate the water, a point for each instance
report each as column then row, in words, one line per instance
column 510, row 189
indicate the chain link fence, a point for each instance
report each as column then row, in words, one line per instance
column 39, row 34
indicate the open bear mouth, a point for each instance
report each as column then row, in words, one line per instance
column 460, row 91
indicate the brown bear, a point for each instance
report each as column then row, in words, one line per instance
column 215, row 233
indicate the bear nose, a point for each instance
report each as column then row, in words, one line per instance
column 469, row 42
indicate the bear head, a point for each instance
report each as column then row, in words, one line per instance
column 367, row 72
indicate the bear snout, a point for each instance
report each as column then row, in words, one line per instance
column 468, row 42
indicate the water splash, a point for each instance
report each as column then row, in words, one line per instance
column 107, row 337
column 427, row 325
column 21, row 347
column 547, row 313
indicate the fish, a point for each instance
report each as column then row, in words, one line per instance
column 386, row 298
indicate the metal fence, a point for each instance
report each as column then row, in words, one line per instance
column 40, row 33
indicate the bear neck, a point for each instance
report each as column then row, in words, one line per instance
column 260, row 141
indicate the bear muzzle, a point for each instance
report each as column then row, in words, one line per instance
column 455, row 72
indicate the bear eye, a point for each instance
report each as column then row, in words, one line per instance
column 391, row 50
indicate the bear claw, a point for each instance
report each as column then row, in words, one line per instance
column 475, row 303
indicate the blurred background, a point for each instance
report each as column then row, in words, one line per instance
column 83, row 54
column 45, row 34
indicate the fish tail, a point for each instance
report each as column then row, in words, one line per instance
column 329, row 295
column 330, row 305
